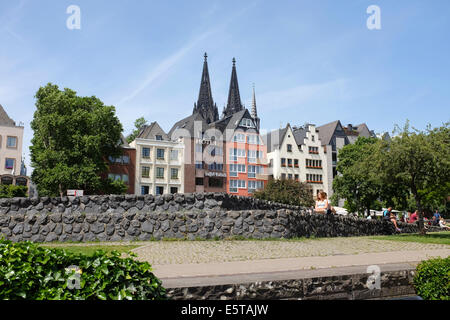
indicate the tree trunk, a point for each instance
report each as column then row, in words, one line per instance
column 422, row 230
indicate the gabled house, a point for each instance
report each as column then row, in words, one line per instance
column 159, row 162
column 296, row 153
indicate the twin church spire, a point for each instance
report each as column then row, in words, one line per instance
column 205, row 104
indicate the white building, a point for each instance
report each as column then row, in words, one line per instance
column 297, row 153
column 159, row 162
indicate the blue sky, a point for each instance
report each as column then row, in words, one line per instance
column 311, row 61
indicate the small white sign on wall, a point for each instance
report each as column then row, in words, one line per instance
column 75, row 193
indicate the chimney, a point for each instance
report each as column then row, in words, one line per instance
column 350, row 127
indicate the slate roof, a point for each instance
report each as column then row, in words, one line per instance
column 5, row 120
column 326, row 132
column 274, row 139
column 186, row 125
column 150, row 131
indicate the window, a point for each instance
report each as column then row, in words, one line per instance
column 145, row 190
column 296, row 177
column 9, row 163
column 296, row 163
column 198, row 181
column 6, row 180
column 313, row 138
column 255, row 185
column 215, row 182
column 236, row 153
column 283, row 176
column 247, row 123
column 173, row 173
column 236, row 168
column 145, row 172
column 160, row 154
column 239, row 137
column 290, row 176
column 254, row 170
column 289, row 147
column 215, row 151
column 215, row 167
column 173, row 154
column 289, row 162
column 125, row 178
column 271, row 163
column 283, row 162
column 253, row 139
column 11, row 142
column 237, row 184
column 198, row 165
column 159, row 173
column 159, row 190
column 146, row 153
column 159, row 138
column 314, row 150
column 125, row 159
column 173, row 190
column 253, row 155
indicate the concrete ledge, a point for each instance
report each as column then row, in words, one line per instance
column 345, row 283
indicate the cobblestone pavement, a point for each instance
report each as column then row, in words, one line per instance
column 191, row 252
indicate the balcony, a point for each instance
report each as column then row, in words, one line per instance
column 262, row 177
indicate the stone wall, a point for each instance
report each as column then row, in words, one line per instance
column 342, row 287
column 181, row 216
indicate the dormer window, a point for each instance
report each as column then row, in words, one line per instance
column 159, row 138
column 248, row 123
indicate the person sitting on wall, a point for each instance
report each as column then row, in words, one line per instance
column 323, row 205
column 443, row 224
column 388, row 215
column 414, row 217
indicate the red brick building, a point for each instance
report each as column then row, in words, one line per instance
column 123, row 167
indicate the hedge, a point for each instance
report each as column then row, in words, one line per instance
column 31, row 272
column 12, row 191
column 432, row 279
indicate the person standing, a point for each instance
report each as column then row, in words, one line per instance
column 436, row 218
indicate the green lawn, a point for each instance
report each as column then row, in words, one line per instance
column 90, row 249
column 435, row 237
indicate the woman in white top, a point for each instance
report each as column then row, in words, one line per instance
column 322, row 204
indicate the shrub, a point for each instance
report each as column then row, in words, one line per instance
column 432, row 279
column 11, row 191
column 28, row 271
column 288, row 192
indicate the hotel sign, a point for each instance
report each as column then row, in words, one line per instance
column 215, row 174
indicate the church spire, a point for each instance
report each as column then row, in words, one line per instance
column 205, row 104
column 234, row 98
column 254, row 112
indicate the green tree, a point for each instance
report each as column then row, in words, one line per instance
column 138, row 124
column 418, row 160
column 288, row 192
column 357, row 183
column 73, row 136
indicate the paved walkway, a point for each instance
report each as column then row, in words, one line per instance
column 215, row 262
column 198, row 252
column 293, row 264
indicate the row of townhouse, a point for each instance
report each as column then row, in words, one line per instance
column 207, row 153
column 309, row 153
